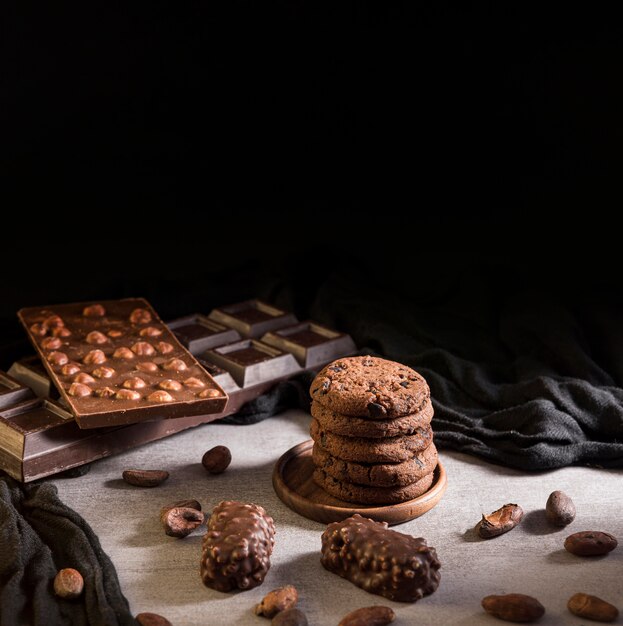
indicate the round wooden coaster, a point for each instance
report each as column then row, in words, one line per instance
column 292, row 480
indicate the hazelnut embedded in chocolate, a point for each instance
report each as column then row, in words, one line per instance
column 105, row 392
column 51, row 343
column 175, row 365
column 114, row 333
column 57, row 358
column 164, row 347
column 150, row 331
column 104, row 372
column 134, row 383
column 54, row 321
column 209, row 393
column 69, row 369
column 140, row 316
column 148, row 367
column 61, row 331
column 170, row 385
column 94, row 357
column 40, row 330
column 96, row 338
column 123, row 353
column 127, row 394
column 160, row 396
column 94, row 310
column 143, row 348
column 78, row 390
column 194, row 383
column 84, row 378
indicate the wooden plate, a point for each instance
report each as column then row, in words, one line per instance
column 292, row 480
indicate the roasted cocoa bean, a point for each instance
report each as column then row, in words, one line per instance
column 590, row 543
column 500, row 521
column 145, row 478
column 289, row 617
column 152, row 619
column 277, row 600
column 181, row 521
column 513, row 607
column 559, row 509
column 592, row 607
column 217, row 459
column 369, row 616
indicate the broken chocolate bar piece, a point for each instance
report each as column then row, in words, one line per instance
column 237, row 546
column 198, row 333
column 379, row 560
column 116, row 363
column 12, row 391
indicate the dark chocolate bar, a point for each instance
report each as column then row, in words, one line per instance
column 35, row 443
column 198, row 333
column 253, row 318
column 311, row 344
column 382, row 561
column 12, row 391
column 237, row 546
column 115, row 363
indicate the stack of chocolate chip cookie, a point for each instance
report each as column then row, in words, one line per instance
column 373, row 443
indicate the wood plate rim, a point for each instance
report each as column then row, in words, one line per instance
column 319, row 512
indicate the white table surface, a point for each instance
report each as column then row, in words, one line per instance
column 161, row 574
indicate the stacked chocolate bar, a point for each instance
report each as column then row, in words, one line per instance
column 111, row 375
column 373, row 443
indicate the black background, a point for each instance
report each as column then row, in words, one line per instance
column 290, row 141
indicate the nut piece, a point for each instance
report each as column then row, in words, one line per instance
column 194, row 383
column 140, row 316
column 590, row 543
column 592, row 607
column 51, row 343
column 142, row 348
column 150, row 331
column 176, row 365
column 104, row 372
column 152, row 619
column 69, row 369
column 123, row 353
column 369, row 616
column 500, row 521
column 217, row 459
column 127, row 394
column 170, row 385
column 209, row 393
column 148, row 367
column 84, row 378
column 96, row 338
column 514, row 607
column 134, row 383
column 559, row 510
column 160, row 396
column 94, row 357
column 41, row 330
column 78, row 390
column 61, row 331
column 290, row 617
column 114, row 333
column 54, row 321
column 105, row 392
column 68, row 583
column 145, row 478
column 277, row 600
column 181, row 521
column 94, row 310
column 164, row 347
column 58, row 358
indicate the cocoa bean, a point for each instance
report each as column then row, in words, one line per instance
column 181, row 521
column 277, row 600
column 289, row 617
column 513, row 607
column 145, row 478
column 592, row 607
column 590, row 543
column 369, row 616
column 500, row 521
column 152, row 619
column 217, row 459
column 559, row 509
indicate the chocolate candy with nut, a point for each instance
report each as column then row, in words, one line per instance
column 237, row 546
column 379, row 560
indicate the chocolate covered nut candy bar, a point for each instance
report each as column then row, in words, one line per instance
column 379, row 560
column 237, row 546
column 116, row 363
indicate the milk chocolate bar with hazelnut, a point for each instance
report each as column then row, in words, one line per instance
column 382, row 561
column 115, row 362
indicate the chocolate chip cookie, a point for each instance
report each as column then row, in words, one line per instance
column 364, row 427
column 369, row 387
column 362, row 450
column 371, row 495
column 377, row 474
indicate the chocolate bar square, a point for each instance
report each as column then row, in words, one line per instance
column 12, row 391
column 312, row 345
column 252, row 318
column 197, row 333
column 30, row 372
column 252, row 362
